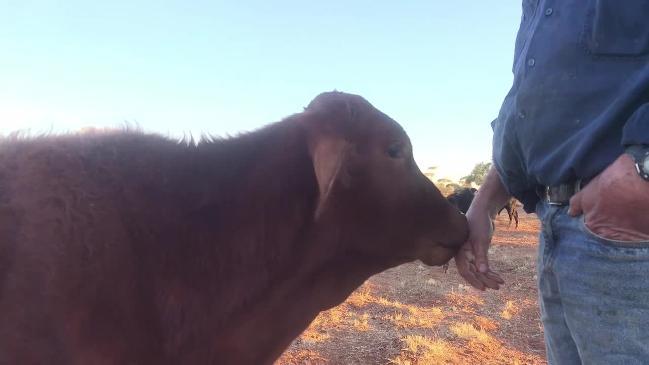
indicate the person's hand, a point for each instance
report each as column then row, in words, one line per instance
column 471, row 260
column 615, row 204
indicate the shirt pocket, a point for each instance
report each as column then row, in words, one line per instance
column 617, row 28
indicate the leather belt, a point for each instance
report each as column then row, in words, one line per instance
column 560, row 194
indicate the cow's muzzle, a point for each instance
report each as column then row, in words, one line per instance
column 448, row 243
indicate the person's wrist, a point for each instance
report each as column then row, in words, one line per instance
column 483, row 206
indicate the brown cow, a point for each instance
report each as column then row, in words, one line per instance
column 511, row 210
column 126, row 248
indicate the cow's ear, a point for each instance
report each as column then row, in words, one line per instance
column 328, row 156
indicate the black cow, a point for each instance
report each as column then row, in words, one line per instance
column 462, row 199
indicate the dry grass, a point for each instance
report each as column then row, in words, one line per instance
column 360, row 322
column 510, row 310
column 468, row 332
column 485, row 323
column 410, row 316
column 303, row 357
column 361, row 297
column 319, row 329
column 423, row 350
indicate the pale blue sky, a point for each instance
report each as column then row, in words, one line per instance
column 440, row 68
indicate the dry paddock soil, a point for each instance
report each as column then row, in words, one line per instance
column 414, row 314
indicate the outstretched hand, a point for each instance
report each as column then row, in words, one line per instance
column 471, row 261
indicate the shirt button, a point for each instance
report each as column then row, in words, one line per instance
column 531, row 62
column 548, row 11
column 521, row 115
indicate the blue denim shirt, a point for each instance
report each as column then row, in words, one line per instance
column 580, row 92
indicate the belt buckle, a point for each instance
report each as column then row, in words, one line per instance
column 560, row 195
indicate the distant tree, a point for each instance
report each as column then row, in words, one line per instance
column 430, row 172
column 462, row 182
column 453, row 187
column 442, row 186
column 478, row 173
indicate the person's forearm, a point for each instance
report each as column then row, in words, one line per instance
column 492, row 195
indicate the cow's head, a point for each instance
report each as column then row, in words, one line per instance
column 370, row 188
column 462, row 198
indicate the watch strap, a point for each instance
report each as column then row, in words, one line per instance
column 640, row 155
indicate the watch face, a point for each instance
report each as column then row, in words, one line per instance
column 640, row 155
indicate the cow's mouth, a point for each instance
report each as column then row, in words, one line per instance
column 438, row 255
column 444, row 248
column 456, row 232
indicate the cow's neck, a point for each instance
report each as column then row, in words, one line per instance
column 321, row 278
column 266, row 270
column 264, row 196
column 290, row 308
column 258, row 194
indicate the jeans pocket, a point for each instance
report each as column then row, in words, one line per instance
column 611, row 242
column 617, row 29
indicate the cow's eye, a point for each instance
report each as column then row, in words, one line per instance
column 395, row 150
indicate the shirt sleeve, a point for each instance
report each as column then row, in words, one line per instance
column 507, row 160
column 636, row 129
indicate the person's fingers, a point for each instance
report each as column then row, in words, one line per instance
column 481, row 270
column 477, row 279
column 469, row 275
column 575, row 205
column 472, row 264
column 480, row 250
column 488, row 281
column 467, row 270
column 495, row 276
column 471, row 278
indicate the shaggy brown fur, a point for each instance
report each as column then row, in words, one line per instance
column 127, row 248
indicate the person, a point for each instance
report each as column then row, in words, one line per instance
column 571, row 143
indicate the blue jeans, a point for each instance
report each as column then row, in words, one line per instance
column 593, row 293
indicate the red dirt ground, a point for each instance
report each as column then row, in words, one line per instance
column 415, row 314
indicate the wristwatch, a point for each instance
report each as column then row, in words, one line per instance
column 640, row 154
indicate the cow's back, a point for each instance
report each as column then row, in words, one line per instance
column 117, row 248
column 67, row 268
